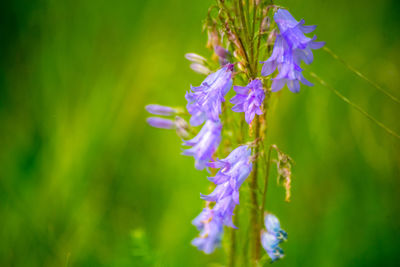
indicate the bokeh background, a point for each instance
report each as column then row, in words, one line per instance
column 85, row 182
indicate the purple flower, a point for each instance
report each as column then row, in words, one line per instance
column 290, row 48
column 161, row 123
column 270, row 243
column 204, row 144
column 274, row 227
column 233, row 171
column 204, row 101
column 293, row 32
column 211, row 230
column 160, row 110
column 271, row 238
column 249, row 99
column 289, row 71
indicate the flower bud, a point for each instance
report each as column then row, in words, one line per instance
column 265, row 24
column 193, row 57
column 160, row 123
column 160, row 110
column 199, row 68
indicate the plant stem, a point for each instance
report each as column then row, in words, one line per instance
column 264, row 196
column 254, row 221
column 232, row 249
column 357, row 107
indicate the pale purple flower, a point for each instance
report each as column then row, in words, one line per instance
column 273, row 226
column 290, row 48
column 249, row 99
column 204, row 144
column 271, row 245
column 271, row 238
column 211, row 230
column 161, row 123
column 204, row 101
column 160, row 110
column 293, row 32
column 233, row 172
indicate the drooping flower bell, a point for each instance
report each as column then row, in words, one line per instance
column 211, row 230
column 233, row 172
column 204, row 101
column 271, row 238
column 204, row 144
column 289, row 71
column 290, row 48
column 293, row 32
column 249, row 99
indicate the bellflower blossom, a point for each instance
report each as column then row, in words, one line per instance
column 293, row 32
column 204, row 101
column 249, row 99
column 204, row 144
column 211, row 230
column 271, row 238
column 291, row 46
column 233, row 172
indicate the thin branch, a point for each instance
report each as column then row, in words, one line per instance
column 362, row 111
column 362, row 76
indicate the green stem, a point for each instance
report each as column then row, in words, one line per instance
column 247, row 37
column 234, row 32
column 264, row 196
column 233, row 247
column 362, row 76
column 362, row 111
column 254, row 222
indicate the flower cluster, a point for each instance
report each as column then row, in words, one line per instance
column 291, row 46
column 271, row 238
column 249, row 99
column 204, row 107
column 233, row 170
column 204, row 101
column 211, row 230
column 204, row 104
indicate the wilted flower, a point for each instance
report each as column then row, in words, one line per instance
column 161, row 123
column 265, row 24
column 204, row 101
column 284, row 168
column 204, row 144
column 249, row 99
column 223, row 54
column 160, row 110
column 233, row 172
column 181, row 127
column 211, row 230
column 271, row 238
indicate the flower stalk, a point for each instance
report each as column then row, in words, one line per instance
column 232, row 149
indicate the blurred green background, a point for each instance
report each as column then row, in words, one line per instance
column 85, row 182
